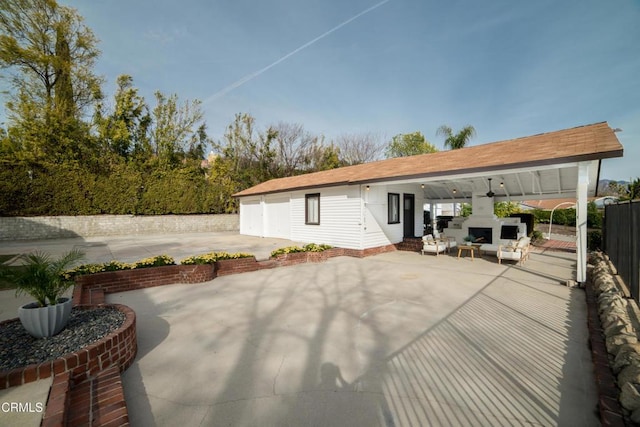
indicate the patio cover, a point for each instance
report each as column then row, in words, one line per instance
column 553, row 165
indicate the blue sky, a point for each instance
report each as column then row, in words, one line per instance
column 510, row 68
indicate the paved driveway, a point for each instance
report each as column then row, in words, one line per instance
column 397, row 339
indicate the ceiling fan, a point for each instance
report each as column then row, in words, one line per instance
column 490, row 193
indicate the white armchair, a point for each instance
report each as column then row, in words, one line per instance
column 518, row 252
column 449, row 241
column 431, row 245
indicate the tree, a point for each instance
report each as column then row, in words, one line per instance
column 176, row 131
column 626, row 191
column 504, row 209
column 125, row 130
column 633, row 189
column 458, row 140
column 292, row 147
column 409, row 144
column 250, row 154
column 51, row 53
column 359, row 148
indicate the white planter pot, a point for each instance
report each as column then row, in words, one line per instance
column 45, row 321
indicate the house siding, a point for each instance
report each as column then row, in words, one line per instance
column 340, row 217
column 377, row 230
column 347, row 219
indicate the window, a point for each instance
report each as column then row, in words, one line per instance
column 312, row 209
column 393, row 202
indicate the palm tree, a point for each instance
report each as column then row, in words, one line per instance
column 634, row 189
column 460, row 139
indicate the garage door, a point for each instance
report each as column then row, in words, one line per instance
column 278, row 217
column 251, row 217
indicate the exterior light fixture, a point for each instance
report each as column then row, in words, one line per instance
column 422, row 186
column 368, row 188
column 455, row 191
column 502, row 185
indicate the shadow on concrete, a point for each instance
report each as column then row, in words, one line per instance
column 156, row 329
column 335, row 344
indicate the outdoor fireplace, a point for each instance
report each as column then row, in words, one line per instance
column 482, row 234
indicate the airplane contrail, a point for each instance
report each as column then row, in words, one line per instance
column 255, row 74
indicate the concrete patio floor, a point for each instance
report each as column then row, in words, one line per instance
column 396, row 339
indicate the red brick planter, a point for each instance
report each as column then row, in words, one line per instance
column 119, row 348
column 129, row 280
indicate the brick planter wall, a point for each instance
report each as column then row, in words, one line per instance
column 119, row 348
column 240, row 265
column 128, row 280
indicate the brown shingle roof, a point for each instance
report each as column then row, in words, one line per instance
column 590, row 142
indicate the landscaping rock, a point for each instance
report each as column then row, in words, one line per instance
column 604, row 283
column 614, row 343
column 615, row 318
column 618, row 327
column 627, row 354
column 635, row 416
column 630, row 374
column 630, row 396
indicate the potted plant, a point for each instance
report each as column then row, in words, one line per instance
column 43, row 278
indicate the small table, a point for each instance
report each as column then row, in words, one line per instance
column 470, row 248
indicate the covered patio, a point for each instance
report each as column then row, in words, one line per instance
column 377, row 204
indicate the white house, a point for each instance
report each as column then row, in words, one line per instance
column 379, row 203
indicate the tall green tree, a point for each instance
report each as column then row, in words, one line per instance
column 409, row 144
column 125, row 130
column 457, row 140
column 177, row 131
column 50, row 54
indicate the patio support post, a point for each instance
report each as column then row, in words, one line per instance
column 581, row 222
column 434, row 221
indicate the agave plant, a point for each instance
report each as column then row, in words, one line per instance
column 41, row 276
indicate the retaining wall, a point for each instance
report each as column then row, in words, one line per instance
column 56, row 227
column 119, row 348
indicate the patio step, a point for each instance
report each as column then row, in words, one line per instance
column 413, row 244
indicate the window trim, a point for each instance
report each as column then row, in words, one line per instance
column 308, row 197
column 390, row 202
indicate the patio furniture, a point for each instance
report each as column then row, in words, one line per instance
column 470, row 248
column 450, row 241
column 515, row 252
column 429, row 244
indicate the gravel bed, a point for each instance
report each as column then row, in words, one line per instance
column 19, row 349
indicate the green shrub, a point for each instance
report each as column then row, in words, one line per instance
column 594, row 240
column 212, row 257
column 594, row 216
column 536, row 235
column 311, row 247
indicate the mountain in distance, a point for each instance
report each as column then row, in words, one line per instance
column 604, row 188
